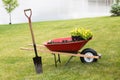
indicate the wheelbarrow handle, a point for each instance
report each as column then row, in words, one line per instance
column 28, row 10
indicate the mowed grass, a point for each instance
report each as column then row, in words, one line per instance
column 16, row 64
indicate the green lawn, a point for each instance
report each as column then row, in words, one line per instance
column 16, row 64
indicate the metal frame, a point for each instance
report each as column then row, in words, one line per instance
column 58, row 60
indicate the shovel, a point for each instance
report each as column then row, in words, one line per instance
column 37, row 60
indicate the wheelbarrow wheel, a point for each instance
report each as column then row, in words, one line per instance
column 89, row 52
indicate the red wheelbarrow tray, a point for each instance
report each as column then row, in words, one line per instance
column 65, row 45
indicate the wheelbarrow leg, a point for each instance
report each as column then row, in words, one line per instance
column 69, row 60
column 56, row 60
column 59, row 58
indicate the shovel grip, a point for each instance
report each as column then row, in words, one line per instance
column 30, row 13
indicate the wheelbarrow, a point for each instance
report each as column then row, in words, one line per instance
column 65, row 46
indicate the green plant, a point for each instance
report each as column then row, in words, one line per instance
column 115, row 10
column 83, row 33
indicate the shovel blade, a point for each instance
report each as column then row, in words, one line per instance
column 38, row 64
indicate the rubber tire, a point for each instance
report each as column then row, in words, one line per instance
column 86, row 51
